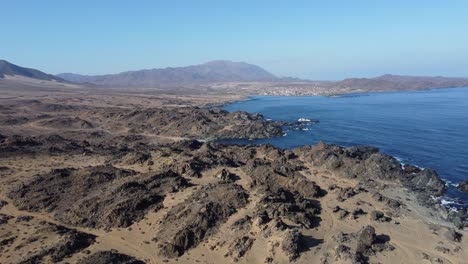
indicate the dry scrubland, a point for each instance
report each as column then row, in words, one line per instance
column 109, row 176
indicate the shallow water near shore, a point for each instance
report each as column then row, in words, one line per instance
column 424, row 128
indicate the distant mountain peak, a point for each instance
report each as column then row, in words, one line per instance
column 10, row 69
column 211, row 71
column 225, row 62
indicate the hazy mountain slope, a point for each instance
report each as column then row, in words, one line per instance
column 7, row 68
column 390, row 82
column 214, row 71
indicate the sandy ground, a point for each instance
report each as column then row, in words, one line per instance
column 413, row 236
column 416, row 236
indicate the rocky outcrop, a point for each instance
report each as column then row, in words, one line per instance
column 367, row 163
column 292, row 243
column 2, row 204
column 101, row 196
column 52, row 144
column 193, row 122
column 354, row 162
column 287, row 200
column 357, row 247
column 225, row 175
column 427, row 181
column 66, row 122
column 463, row 186
column 187, row 224
column 106, row 257
column 4, row 218
column 134, row 158
column 239, row 247
column 70, row 242
column 379, row 216
column 453, row 235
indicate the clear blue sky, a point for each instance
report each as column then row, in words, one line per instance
column 309, row 39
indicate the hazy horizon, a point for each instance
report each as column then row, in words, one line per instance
column 317, row 41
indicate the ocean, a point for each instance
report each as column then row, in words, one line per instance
column 424, row 128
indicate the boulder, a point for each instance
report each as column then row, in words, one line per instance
column 428, row 181
column 240, row 246
column 463, row 186
column 366, row 237
column 225, row 175
column 453, row 235
column 291, row 244
column 379, row 216
column 409, row 169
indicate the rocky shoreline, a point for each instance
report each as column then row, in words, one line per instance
column 136, row 186
column 287, row 196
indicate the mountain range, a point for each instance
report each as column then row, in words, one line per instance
column 7, row 68
column 213, row 71
column 220, row 71
column 389, row 82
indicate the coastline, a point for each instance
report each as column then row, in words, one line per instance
column 134, row 181
column 448, row 202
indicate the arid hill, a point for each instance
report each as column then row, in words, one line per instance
column 213, row 71
column 7, row 68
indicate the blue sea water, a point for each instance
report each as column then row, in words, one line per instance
column 424, row 128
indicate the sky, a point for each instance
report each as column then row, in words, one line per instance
column 322, row 40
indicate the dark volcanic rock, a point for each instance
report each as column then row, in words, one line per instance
column 411, row 169
column 2, row 204
column 344, row 253
column 109, row 257
column 292, row 243
column 362, row 161
column 5, row 218
column 366, row 237
column 71, row 242
column 357, row 213
column 51, row 144
column 24, row 218
column 368, row 243
column 295, row 208
column 135, row 158
column 361, row 152
column 379, row 216
column 102, row 196
column 367, row 164
column 392, row 203
column 243, row 224
column 428, row 181
column 225, row 175
column 240, row 246
column 342, row 213
column 67, row 122
column 357, row 247
column 463, row 186
column 191, row 122
column 453, row 235
column 348, row 192
column 189, row 222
